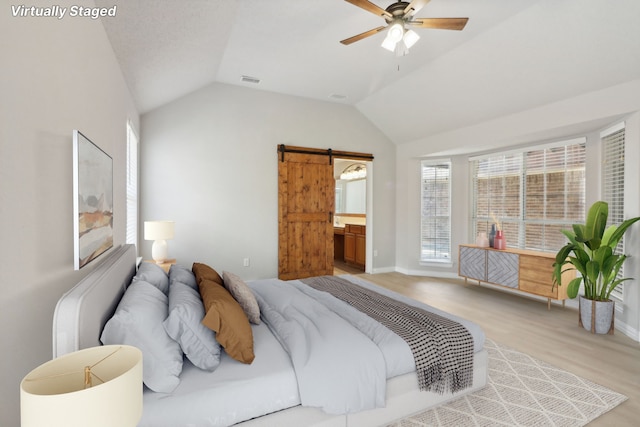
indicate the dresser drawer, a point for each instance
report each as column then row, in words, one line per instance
column 536, row 269
column 537, row 288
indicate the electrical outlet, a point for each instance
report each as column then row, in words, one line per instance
column 375, row 252
column 246, row 262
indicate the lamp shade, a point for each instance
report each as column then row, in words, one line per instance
column 54, row 393
column 158, row 230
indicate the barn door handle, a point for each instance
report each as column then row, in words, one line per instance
column 331, row 217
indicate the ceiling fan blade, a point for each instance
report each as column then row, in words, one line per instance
column 362, row 36
column 370, row 7
column 413, row 8
column 440, row 23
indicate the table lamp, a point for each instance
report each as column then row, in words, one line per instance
column 98, row 387
column 159, row 232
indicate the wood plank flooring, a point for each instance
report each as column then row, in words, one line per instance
column 526, row 325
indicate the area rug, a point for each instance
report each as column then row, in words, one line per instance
column 522, row 391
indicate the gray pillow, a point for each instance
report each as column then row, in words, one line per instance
column 152, row 273
column 182, row 274
column 138, row 322
column 184, row 325
column 243, row 294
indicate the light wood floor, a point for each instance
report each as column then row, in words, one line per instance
column 526, row 325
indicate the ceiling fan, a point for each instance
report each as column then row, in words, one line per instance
column 399, row 16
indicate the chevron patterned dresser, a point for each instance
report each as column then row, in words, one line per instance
column 526, row 271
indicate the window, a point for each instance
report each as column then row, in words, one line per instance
column 132, row 186
column 533, row 194
column 435, row 229
column 613, row 184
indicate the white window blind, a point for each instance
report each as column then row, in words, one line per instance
column 533, row 194
column 435, row 229
column 613, row 184
column 497, row 194
column 132, row 186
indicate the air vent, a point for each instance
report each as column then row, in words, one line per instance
column 249, row 79
column 338, row 96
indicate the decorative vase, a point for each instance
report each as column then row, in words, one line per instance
column 492, row 235
column 482, row 240
column 499, row 242
column 597, row 316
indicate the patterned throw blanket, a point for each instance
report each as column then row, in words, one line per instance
column 442, row 348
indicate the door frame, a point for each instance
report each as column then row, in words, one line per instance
column 351, row 155
column 368, row 268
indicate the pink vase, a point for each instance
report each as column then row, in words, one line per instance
column 499, row 242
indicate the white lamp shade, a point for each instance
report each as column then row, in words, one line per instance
column 54, row 393
column 158, row 230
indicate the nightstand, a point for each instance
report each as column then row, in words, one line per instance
column 165, row 265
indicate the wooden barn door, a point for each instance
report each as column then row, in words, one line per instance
column 306, row 198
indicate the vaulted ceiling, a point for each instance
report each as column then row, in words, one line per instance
column 513, row 55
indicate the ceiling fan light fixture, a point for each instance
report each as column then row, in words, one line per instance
column 396, row 32
column 388, row 44
column 410, row 38
column 401, row 49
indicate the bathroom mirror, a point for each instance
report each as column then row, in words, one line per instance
column 351, row 188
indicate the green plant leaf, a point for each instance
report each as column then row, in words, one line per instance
column 580, row 233
column 574, row 287
column 596, row 224
column 617, row 234
column 593, row 272
column 578, row 265
column 613, row 286
column 571, row 236
column 606, row 238
column 601, row 255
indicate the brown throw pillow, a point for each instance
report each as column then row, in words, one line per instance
column 203, row 271
column 225, row 316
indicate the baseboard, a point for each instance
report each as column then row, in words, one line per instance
column 384, row 270
column 627, row 330
column 427, row 273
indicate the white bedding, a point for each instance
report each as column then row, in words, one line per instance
column 236, row 392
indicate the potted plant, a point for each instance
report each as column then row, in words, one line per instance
column 591, row 251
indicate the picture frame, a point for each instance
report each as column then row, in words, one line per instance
column 93, row 200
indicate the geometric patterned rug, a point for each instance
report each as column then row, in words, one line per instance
column 522, row 391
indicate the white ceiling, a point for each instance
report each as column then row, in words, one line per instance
column 513, row 55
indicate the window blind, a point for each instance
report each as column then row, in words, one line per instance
column 435, row 229
column 613, row 184
column 132, row 186
column 533, row 194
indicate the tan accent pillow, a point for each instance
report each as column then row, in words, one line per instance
column 225, row 316
column 242, row 293
column 203, row 271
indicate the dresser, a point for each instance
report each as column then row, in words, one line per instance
column 526, row 271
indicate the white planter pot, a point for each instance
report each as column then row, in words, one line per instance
column 599, row 321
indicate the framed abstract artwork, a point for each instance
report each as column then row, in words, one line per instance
column 93, row 200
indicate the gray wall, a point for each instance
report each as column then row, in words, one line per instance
column 57, row 75
column 209, row 163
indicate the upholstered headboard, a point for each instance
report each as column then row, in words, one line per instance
column 82, row 312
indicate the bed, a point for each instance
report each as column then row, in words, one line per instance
column 266, row 392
